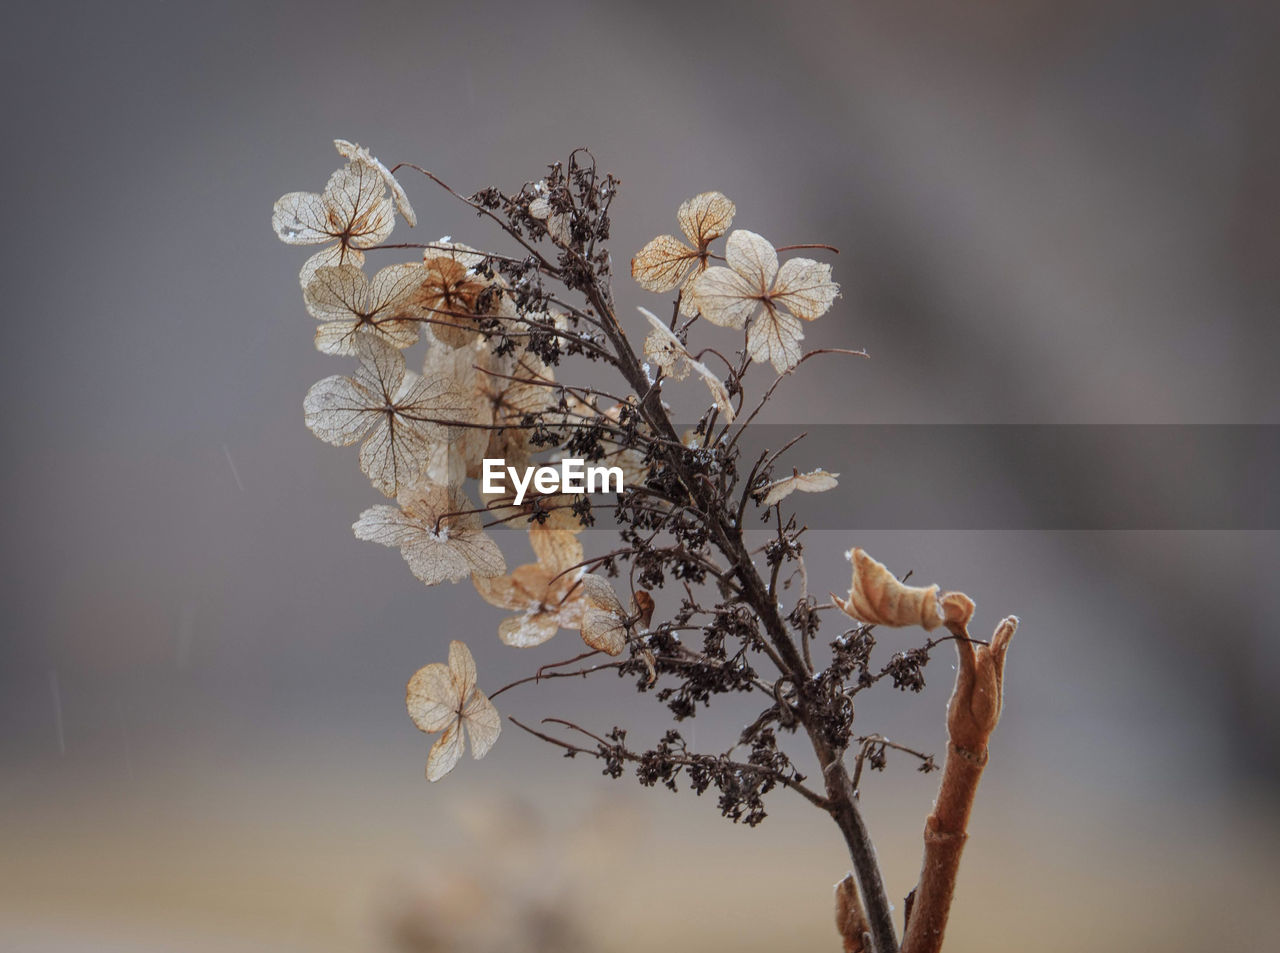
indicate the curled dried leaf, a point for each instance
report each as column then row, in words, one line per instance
column 445, row 698
column 877, row 597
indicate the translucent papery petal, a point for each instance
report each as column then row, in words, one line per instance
column 396, row 453
column 664, row 348
column 662, row 264
column 389, row 288
column 532, row 627
column 688, row 306
column 556, row 549
column 432, row 697
column 335, row 255
column 482, row 554
column 435, row 560
column 719, row 393
column 775, row 337
column 502, row 591
column 337, row 410
column 344, row 337
column 751, row 256
column 463, row 666
column 387, row 525
column 816, row 481
column 603, row 630
column 357, row 205
column 351, row 150
column 705, row 217
column 482, row 722
column 335, row 292
column 724, row 297
column 301, row 218
column 446, row 752
column 804, row 287
column 382, row 369
column 599, row 594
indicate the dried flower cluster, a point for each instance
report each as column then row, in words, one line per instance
column 678, row 605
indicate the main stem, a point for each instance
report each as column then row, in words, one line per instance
column 842, row 801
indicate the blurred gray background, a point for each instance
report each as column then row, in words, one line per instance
column 1048, row 213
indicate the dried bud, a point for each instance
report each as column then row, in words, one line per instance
column 850, row 920
column 975, row 703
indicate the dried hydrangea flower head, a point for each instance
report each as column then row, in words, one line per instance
column 753, row 288
column 445, row 698
column 351, row 214
column 438, row 532
column 349, row 305
column 399, row 415
column 545, row 593
column 667, row 263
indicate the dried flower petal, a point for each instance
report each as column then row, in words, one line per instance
column 604, row 620
column 815, row 481
column 349, row 305
column 444, row 697
column 399, row 415
column 437, row 534
column 353, row 212
column 732, row 296
column 352, row 150
column 545, row 592
column 666, row 262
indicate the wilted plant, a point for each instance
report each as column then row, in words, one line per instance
column 500, row 329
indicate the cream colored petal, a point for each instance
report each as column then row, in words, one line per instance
column 446, row 752
column 752, row 257
column 463, row 666
column 391, row 285
column 528, row 629
column 351, row 150
column 815, row 481
column 386, row 525
column 432, row 697
column 357, row 204
column 433, row 560
column 724, row 297
column 719, row 393
column 482, row 554
column 338, row 411
column 388, row 457
column 343, row 337
column 335, row 255
column 301, row 218
column 483, row 724
column 705, row 217
column 775, row 336
column 662, row 264
column 337, row 292
column 556, row 549
column 664, row 348
column 603, row 631
column 804, row 287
